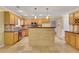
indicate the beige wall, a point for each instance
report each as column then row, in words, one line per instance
column 1, row 29
column 59, row 26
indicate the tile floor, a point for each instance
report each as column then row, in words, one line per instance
column 23, row 47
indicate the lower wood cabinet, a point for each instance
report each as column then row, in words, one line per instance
column 72, row 39
column 77, row 41
column 67, row 37
column 16, row 37
column 24, row 32
column 10, row 38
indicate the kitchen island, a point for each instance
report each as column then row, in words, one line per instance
column 41, row 37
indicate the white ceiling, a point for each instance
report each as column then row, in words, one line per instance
column 41, row 10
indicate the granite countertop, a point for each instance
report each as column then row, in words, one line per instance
column 42, row 27
column 72, row 32
column 11, row 31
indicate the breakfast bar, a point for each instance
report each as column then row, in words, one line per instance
column 41, row 36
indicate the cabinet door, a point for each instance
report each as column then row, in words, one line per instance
column 6, row 18
column 28, row 22
column 67, row 37
column 8, row 38
column 15, row 37
column 15, row 20
column 76, row 18
column 44, row 20
column 12, row 18
column 25, row 32
column 77, row 41
column 72, row 37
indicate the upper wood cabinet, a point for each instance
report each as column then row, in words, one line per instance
column 74, row 18
column 16, row 19
column 38, row 20
column 9, row 18
column 12, row 18
column 27, row 21
column 76, row 14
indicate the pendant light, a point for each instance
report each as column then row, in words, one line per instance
column 47, row 13
column 35, row 13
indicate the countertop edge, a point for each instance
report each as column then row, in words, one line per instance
column 42, row 27
column 72, row 32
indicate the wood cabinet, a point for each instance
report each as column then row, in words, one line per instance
column 12, row 18
column 77, row 41
column 25, row 32
column 9, row 18
column 76, row 14
column 74, row 18
column 44, row 20
column 72, row 39
column 67, row 37
column 10, row 38
column 27, row 22
column 16, row 37
column 38, row 20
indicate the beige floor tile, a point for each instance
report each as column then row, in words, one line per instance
column 23, row 47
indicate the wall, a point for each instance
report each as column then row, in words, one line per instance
column 59, row 26
column 62, row 25
column 66, row 22
column 50, row 23
column 1, row 29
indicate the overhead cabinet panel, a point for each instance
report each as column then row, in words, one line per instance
column 9, row 18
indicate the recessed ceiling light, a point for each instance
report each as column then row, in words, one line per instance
column 40, row 14
column 33, row 15
column 25, row 15
column 20, row 11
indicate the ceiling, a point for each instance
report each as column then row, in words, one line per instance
column 41, row 10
